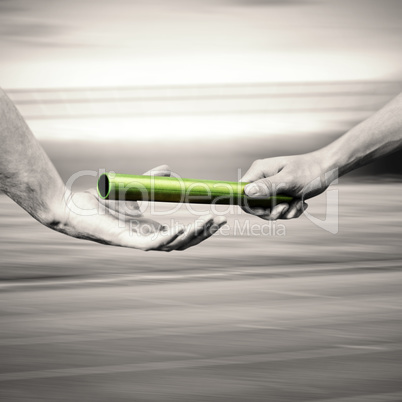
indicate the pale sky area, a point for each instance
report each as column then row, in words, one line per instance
column 123, row 43
column 47, row 43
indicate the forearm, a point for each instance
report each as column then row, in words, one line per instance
column 377, row 136
column 26, row 173
column 307, row 175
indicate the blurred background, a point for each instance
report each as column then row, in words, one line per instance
column 206, row 87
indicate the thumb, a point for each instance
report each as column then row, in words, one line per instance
column 268, row 187
column 262, row 168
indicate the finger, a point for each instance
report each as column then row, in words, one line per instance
column 254, row 173
column 218, row 222
column 162, row 170
column 276, row 212
column 192, row 231
column 116, row 207
column 294, row 211
column 155, row 241
column 260, row 169
column 268, row 187
column 123, row 207
column 257, row 211
column 302, row 209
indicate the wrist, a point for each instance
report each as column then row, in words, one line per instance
column 330, row 162
column 325, row 159
column 56, row 214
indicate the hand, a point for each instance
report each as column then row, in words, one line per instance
column 110, row 222
column 299, row 176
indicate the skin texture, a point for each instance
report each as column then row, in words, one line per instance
column 28, row 177
column 305, row 176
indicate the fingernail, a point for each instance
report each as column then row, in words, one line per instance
column 221, row 220
column 214, row 228
column 251, row 190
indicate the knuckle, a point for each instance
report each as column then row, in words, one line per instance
column 257, row 163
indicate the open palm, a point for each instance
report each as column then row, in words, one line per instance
column 121, row 223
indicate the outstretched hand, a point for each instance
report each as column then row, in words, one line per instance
column 121, row 223
column 299, row 176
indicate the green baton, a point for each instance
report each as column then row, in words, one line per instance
column 173, row 189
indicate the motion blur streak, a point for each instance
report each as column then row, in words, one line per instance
column 239, row 318
column 207, row 87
